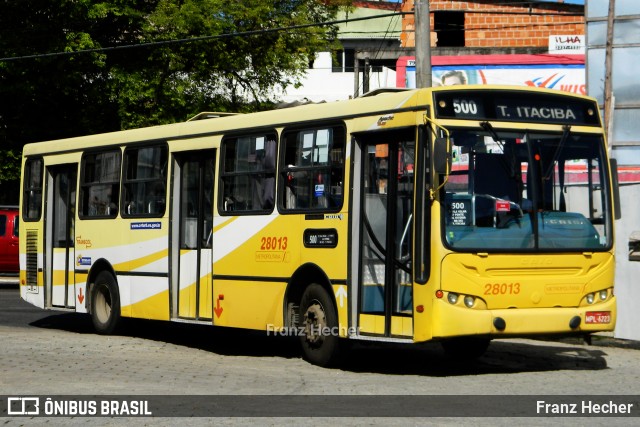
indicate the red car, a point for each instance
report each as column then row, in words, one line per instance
column 9, row 240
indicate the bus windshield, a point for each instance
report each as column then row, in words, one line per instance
column 527, row 190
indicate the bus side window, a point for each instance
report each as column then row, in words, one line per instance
column 99, row 184
column 313, row 171
column 156, row 200
column 32, row 192
column 264, row 181
column 248, row 174
column 290, row 198
column 144, row 183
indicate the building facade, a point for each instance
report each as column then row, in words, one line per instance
column 501, row 42
column 495, row 24
column 613, row 48
column 374, row 51
column 361, row 63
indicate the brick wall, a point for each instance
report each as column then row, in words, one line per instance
column 500, row 23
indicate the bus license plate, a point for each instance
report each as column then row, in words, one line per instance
column 597, row 317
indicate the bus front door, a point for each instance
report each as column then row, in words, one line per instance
column 386, row 197
column 60, row 236
column 191, row 275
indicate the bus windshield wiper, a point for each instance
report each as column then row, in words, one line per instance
column 487, row 127
column 566, row 130
column 510, row 155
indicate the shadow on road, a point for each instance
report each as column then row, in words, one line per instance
column 223, row 341
column 503, row 356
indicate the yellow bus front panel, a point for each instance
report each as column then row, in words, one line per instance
column 478, row 289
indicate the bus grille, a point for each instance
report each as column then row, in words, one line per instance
column 32, row 261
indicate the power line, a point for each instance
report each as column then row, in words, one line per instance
column 195, row 39
column 381, row 42
column 257, row 32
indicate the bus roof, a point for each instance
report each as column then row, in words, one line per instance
column 272, row 118
column 380, row 104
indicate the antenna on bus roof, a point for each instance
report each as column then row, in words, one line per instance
column 210, row 115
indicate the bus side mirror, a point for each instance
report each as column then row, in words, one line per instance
column 617, row 211
column 442, row 156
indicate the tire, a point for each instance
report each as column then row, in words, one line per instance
column 105, row 304
column 465, row 349
column 318, row 316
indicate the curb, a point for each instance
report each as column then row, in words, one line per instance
column 600, row 339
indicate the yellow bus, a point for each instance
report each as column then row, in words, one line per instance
column 454, row 214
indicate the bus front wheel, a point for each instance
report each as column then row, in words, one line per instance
column 319, row 320
column 105, row 303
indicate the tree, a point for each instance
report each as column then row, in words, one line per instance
column 152, row 70
column 50, row 97
column 236, row 71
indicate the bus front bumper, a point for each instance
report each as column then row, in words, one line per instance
column 455, row 320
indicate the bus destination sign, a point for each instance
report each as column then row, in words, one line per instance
column 551, row 112
column 511, row 106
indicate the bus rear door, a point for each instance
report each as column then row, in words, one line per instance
column 193, row 180
column 60, row 211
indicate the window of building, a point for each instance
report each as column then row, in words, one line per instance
column 449, row 26
column 144, row 187
column 313, row 171
column 248, row 174
column 100, row 184
column 343, row 61
column 32, row 197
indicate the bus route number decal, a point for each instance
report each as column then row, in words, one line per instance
column 502, row 288
column 320, row 238
column 459, row 212
column 273, row 243
column 464, row 106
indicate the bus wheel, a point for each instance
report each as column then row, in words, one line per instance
column 467, row 348
column 318, row 317
column 105, row 303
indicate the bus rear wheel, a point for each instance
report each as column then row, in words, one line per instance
column 318, row 317
column 105, row 303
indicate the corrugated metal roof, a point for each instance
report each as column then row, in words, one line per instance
column 388, row 27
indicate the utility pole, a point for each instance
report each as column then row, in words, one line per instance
column 356, row 76
column 422, row 24
column 366, row 75
column 608, row 66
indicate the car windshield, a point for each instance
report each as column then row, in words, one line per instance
column 529, row 191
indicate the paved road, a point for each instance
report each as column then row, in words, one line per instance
column 50, row 353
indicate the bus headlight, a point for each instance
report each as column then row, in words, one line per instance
column 590, row 298
column 603, row 295
column 452, row 297
column 469, row 301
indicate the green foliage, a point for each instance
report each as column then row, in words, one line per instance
column 236, row 65
column 10, row 165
